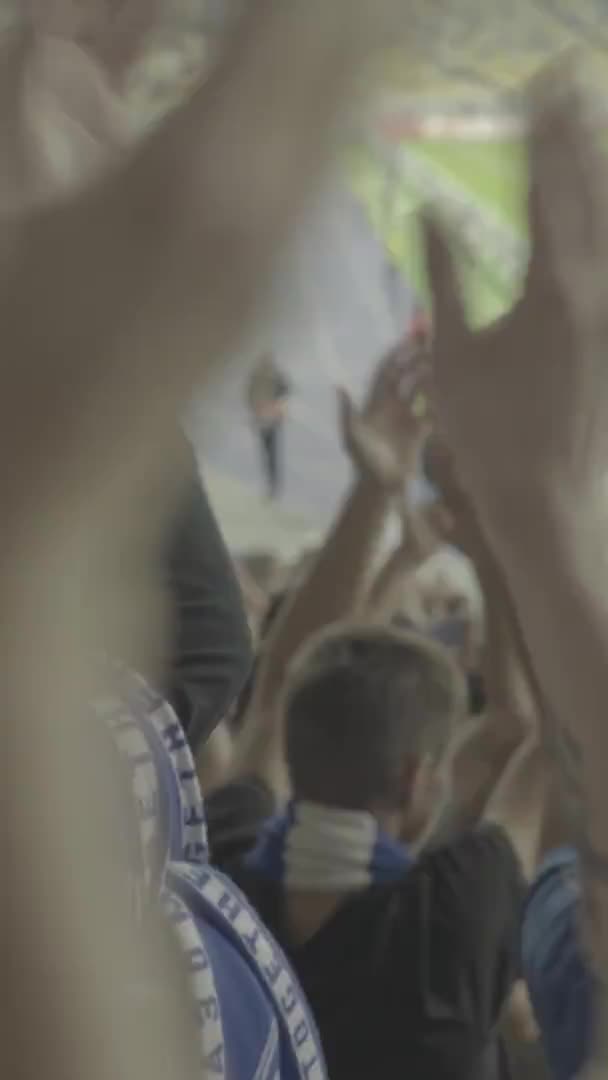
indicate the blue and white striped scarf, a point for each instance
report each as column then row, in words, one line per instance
column 322, row 849
column 253, row 1020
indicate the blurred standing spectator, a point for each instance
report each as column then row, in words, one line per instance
column 267, row 396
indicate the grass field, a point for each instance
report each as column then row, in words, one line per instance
column 493, row 170
column 494, row 175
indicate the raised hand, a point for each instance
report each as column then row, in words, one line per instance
column 441, row 472
column 424, row 530
column 524, row 402
column 113, row 303
column 171, row 254
column 383, row 439
column 464, row 528
column 524, row 405
column 113, row 31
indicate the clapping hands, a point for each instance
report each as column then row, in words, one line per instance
column 383, row 438
column 523, row 404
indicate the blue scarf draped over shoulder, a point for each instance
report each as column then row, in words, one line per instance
column 253, row 1020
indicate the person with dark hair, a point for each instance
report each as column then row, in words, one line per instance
column 267, row 396
column 352, row 689
column 381, row 440
column 407, row 959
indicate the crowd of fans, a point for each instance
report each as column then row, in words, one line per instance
column 399, row 865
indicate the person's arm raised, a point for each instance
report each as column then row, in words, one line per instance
column 499, row 770
column 525, row 404
column 111, row 306
column 486, row 743
column 382, row 443
column 113, row 33
column 421, row 537
column 167, row 256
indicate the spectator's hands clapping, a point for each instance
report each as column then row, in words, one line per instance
column 465, row 531
column 524, row 402
column 383, row 439
column 423, row 531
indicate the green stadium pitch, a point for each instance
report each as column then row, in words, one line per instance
column 491, row 173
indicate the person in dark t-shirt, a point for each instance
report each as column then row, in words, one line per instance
column 407, row 961
column 211, row 655
column 267, row 396
column 209, row 652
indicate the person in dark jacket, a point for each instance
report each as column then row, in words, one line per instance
column 211, row 654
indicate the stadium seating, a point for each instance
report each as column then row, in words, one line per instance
column 480, row 50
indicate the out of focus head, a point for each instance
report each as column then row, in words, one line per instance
column 369, row 715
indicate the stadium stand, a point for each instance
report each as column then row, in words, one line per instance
column 482, row 51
